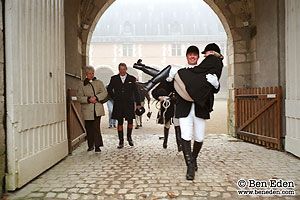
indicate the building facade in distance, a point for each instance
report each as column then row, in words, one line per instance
column 156, row 33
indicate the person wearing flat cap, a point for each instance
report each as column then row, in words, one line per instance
column 195, row 85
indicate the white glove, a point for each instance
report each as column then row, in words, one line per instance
column 213, row 79
column 172, row 73
column 166, row 98
column 163, row 98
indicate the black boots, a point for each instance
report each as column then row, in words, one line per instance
column 147, row 70
column 97, row 150
column 90, row 149
column 186, row 147
column 129, row 139
column 162, row 75
column 178, row 138
column 121, row 139
column 121, row 136
column 196, row 150
column 166, row 135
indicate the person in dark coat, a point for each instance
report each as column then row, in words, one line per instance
column 195, row 85
column 193, row 114
column 195, row 79
column 164, row 93
column 139, row 118
column 124, row 92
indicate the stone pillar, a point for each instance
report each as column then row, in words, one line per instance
column 73, row 43
column 238, row 19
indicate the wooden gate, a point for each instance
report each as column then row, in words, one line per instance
column 76, row 129
column 258, row 116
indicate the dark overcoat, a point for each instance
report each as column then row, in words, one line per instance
column 124, row 95
column 198, row 88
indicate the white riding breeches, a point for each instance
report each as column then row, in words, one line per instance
column 192, row 124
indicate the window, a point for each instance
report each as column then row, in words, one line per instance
column 175, row 28
column 127, row 50
column 128, row 28
column 176, row 49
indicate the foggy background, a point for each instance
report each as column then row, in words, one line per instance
column 158, row 32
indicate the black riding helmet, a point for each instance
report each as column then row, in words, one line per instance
column 212, row 47
column 140, row 111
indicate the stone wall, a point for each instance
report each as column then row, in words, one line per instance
column 255, row 45
column 268, row 44
column 80, row 20
column 73, row 43
column 2, row 106
column 268, row 66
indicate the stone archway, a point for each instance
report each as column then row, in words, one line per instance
column 236, row 17
column 91, row 20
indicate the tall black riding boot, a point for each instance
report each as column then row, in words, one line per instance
column 121, row 139
column 166, row 135
column 129, row 139
column 196, row 150
column 178, row 138
column 147, row 70
column 162, row 75
column 186, row 147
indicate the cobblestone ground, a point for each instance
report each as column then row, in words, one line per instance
column 147, row 171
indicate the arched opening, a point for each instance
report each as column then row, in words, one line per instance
column 124, row 48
